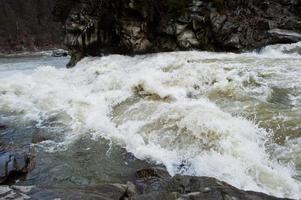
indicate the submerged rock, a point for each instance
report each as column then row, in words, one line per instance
column 134, row 26
column 39, row 136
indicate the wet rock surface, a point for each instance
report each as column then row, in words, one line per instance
column 14, row 165
column 160, row 186
column 150, row 184
column 133, row 26
column 39, row 136
column 103, row 192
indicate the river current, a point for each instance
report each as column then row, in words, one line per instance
column 236, row 117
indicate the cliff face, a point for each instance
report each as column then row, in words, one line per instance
column 93, row 27
column 28, row 25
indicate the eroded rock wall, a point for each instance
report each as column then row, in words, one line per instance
column 93, row 27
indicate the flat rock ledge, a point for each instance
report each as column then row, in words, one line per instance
column 150, row 184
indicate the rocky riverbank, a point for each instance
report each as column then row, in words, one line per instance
column 150, row 184
column 135, row 26
column 42, row 107
column 96, row 27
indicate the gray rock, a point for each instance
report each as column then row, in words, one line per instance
column 101, row 192
column 96, row 27
column 187, row 40
column 151, row 184
column 9, row 193
column 198, row 22
column 14, row 165
column 40, row 136
column 199, row 188
column 217, row 21
column 134, row 36
column 152, row 180
column 286, row 34
column 134, row 26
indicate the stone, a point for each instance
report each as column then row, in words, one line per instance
column 200, row 188
column 153, row 179
column 233, row 42
column 217, row 21
column 157, row 184
column 151, row 184
column 8, row 193
column 94, row 27
column 14, row 165
column 38, row 137
column 188, row 40
column 134, row 36
column 286, row 34
column 198, row 22
column 101, row 192
column 180, row 28
column 97, row 27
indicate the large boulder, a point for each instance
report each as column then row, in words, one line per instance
column 152, row 179
column 156, row 184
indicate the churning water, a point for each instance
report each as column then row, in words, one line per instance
column 236, row 117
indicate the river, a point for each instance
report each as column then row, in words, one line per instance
column 236, row 117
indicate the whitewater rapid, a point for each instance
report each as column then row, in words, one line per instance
column 198, row 113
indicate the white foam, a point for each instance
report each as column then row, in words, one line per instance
column 188, row 133
column 282, row 50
